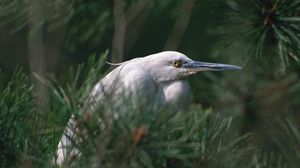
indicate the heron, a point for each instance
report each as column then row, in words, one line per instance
column 159, row 78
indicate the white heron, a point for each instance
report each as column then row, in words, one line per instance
column 158, row 78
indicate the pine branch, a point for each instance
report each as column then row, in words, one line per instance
column 267, row 27
column 126, row 137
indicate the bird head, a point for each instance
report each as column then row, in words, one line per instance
column 170, row 65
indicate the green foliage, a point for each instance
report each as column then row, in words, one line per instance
column 17, row 105
column 76, row 93
column 288, row 138
column 30, row 136
column 136, row 138
column 89, row 23
column 156, row 138
column 268, row 28
column 126, row 137
column 16, row 13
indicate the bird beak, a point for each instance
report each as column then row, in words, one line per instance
column 196, row 66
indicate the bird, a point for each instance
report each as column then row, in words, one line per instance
column 158, row 78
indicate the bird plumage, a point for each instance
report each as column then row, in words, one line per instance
column 155, row 79
column 138, row 77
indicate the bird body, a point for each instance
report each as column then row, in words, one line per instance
column 137, row 78
column 155, row 79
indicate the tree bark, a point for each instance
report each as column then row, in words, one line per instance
column 136, row 16
column 36, row 48
column 180, row 25
column 119, row 32
column 56, row 32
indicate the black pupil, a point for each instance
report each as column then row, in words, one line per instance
column 177, row 63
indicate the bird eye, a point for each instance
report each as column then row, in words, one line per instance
column 177, row 63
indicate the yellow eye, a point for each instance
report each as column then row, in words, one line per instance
column 177, row 63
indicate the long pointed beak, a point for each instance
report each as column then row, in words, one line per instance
column 196, row 66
